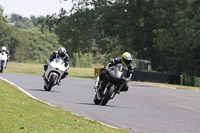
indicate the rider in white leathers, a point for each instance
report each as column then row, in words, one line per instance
column 62, row 54
column 3, row 49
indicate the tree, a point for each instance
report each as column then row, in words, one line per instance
column 13, row 39
column 160, row 31
column 20, row 22
column 42, row 45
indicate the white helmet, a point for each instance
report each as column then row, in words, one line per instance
column 62, row 51
column 126, row 59
column 3, row 48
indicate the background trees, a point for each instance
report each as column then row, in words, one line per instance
column 24, row 40
column 165, row 32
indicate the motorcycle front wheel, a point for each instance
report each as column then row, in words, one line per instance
column 1, row 71
column 107, row 95
column 51, row 82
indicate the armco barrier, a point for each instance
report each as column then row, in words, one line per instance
column 160, row 78
column 155, row 77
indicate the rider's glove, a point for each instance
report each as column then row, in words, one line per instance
column 123, row 79
column 66, row 63
column 128, row 79
column 106, row 70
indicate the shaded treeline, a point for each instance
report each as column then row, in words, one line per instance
column 165, row 32
column 26, row 41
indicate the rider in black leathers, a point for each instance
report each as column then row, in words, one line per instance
column 126, row 60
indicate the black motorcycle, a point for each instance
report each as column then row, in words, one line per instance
column 111, row 84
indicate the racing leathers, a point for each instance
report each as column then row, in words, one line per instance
column 1, row 51
column 115, row 61
column 65, row 58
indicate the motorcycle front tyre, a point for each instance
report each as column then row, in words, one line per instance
column 106, row 97
column 1, row 69
column 51, row 82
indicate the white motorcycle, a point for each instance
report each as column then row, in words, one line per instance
column 3, row 61
column 53, row 74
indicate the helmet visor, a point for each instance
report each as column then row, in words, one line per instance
column 62, row 55
column 127, row 62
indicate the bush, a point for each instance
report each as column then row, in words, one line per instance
column 81, row 60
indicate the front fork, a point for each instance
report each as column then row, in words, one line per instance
column 108, row 86
column 117, row 90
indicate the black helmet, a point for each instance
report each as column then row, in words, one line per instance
column 62, row 51
column 126, row 59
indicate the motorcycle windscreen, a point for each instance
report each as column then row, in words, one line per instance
column 116, row 72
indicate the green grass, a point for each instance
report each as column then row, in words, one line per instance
column 24, row 68
column 173, row 86
column 183, row 87
column 22, row 114
column 37, row 69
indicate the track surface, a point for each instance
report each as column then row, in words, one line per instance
column 143, row 109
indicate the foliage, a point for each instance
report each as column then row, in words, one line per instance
column 25, row 23
column 178, row 44
column 41, row 45
column 81, row 60
column 29, row 44
column 164, row 32
column 20, row 22
column 13, row 39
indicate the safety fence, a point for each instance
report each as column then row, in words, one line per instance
column 147, row 76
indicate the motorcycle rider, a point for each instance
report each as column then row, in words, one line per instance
column 62, row 54
column 126, row 60
column 3, row 49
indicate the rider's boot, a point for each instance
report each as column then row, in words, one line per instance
column 45, row 81
column 44, row 77
column 65, row 75
column 97, row 87
column 45, row 67
column 97, row 83
column 59, row 83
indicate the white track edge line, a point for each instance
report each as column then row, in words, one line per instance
column 28, row 94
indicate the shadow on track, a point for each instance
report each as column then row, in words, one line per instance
column 99, row 105
column 43, row 90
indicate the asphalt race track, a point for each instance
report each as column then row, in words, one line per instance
column 143, row 109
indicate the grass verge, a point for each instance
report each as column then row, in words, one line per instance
column 183, row 87
column 37, row 69
column 20, row 113
column 171, row 86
